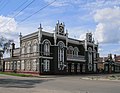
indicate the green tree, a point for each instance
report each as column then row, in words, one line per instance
column 5, row 44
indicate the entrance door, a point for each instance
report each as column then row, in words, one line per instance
column 81, row 67
column 75, row 68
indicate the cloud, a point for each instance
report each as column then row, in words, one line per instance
column 8, row 27
column 58, row 3
column 7, row 24
column 108, row 25
column 86, row 4
column 98, row 4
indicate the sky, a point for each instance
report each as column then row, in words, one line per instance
column 100, row 17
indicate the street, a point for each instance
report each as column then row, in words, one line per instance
column 56, row 84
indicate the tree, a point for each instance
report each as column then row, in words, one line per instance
column 5, row 44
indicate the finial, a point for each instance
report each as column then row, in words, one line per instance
column 97, row 42
column 66, row 31
column 63, row 23
column 40, row 27
column 58, row 22
column 20, row 35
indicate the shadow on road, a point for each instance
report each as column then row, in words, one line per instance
column 16, row 83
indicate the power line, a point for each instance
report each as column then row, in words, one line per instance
column 37, row 11
column 24, row 8
column 4, row 5
column 19, row 12
column 21, row 5
column 1, row 2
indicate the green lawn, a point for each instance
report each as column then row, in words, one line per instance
column 16, row 74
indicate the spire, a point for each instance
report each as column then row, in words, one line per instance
column 20, row 35
column 40, row 33
column 40, row 27
column 58, row 22
column 66, row 31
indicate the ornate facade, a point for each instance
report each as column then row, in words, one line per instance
column 53, row 53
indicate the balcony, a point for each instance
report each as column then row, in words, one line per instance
column 75, row 58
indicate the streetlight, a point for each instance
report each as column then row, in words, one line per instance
column 1, row 56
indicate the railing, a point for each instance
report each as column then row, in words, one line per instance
column 35, row 54
column 78, row 57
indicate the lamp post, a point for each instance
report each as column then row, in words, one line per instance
column 1, row 56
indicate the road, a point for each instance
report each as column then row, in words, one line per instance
column 56, row 84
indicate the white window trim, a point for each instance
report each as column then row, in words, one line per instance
column 46, row 48
column 61, row 46
column 46, row 65
column 75, row 52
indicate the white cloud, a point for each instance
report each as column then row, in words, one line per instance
column 98, row 4
column 108, row 27
column 7, row 24
column 57, row 3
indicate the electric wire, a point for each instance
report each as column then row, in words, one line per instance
column 4, row 4
column 18, row 13
column 21, row 5
column 37, row 11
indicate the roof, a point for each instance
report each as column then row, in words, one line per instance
column 102, row 59
column 117, row 58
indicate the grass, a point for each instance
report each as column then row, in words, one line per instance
column 16, row 74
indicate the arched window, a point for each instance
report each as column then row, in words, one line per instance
column 28, row 47
column 35, row 46
column 46, row 65
column 70, row 50
column 90, row 59
column 61, row 46
column 75, row 52
column 23, row 50
column 46, row 45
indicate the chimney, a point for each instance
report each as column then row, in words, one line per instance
column 115, row 57
column 13, row 45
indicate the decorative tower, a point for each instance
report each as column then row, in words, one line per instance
column 60, row 28
column 89, row 37
column 40, row 33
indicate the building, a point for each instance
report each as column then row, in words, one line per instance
column 109, row 64
column 1, row 59
column 53, row 53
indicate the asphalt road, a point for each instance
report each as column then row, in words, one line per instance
column 56, row 84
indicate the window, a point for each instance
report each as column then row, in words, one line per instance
column 33, row 63
column 34, row 45
column 72, row 67
column 90, row 59
column 90, row 55
column 70, row 50
column 35, row 48
column 46, row 44
column 78, row 67
column 28, row 49
column 75, row 53
column 61, row 55
column 46, row 65
column 28, row 65
column 22, row 65
column 23, row 50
